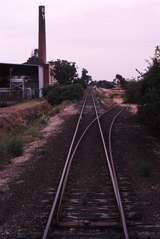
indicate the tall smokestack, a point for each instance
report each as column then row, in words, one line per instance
column 42, row 36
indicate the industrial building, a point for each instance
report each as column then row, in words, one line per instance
column 25, row 81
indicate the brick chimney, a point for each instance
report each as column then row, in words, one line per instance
column 42, row 46
column 42, row 36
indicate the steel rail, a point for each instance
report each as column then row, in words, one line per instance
column 74, row 152
column 113, row 176
column 67, row 171
column 61, row 187
column 110, row 143
column 113, row 167
column 53, row 209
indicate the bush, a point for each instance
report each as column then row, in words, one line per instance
column 34, row 132
column 53, row 95
column 133, row 92
column 14, row 146
column 43, row 120
column 46, row 90
column 58, row 93
column 150, row 114
column 72, row 92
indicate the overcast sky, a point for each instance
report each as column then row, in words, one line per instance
column 104, row 36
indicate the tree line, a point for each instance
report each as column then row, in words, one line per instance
column 64, row 72
column 70, row 86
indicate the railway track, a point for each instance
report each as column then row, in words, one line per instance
column 86, row 205
column 90, row 198
column 87, row 202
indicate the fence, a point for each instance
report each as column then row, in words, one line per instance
column 11, row 97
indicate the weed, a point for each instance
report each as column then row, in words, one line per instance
column 14, row 146
column 43, row 119
column 34, row 132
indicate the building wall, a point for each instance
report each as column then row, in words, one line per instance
column 41, row 79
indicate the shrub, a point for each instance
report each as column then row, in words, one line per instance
column 43, row 120
column 133, row 92
column 53, row 95
column 72, row 92
column 14, row 146
column 47, row 89
column 150, row 114
column 58, row 93
column 34, row 132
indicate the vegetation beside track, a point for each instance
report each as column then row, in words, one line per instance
column 146, row 93
column 22, row 124
column 13, row 141
column 143, row 167
column 56, row 94
column 137, row 149
column 69, row 85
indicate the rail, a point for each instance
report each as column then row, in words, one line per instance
column 63, row 180
column 113, row 173
column 55, row 210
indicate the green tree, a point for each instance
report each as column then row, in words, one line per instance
column 85, row 78
column 146, row 92
column 150, row 92
column 33, row 59
column 120, row 80
column 133, row 91
column 65, row 72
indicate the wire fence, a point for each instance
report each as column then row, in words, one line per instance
column 10, row 97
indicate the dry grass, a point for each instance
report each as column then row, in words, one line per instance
column 13, row 142
column 21, row 106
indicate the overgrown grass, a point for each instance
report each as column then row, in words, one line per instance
column 12, row 143
column 43, row 120
column 33, row 132
column 12, row 146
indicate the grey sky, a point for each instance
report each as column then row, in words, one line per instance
column 106, row 37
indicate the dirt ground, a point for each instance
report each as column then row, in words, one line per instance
column 116, row 96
